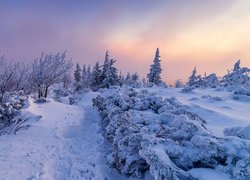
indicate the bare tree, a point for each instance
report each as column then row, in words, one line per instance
column 6, row 77
column 22, row 77
column 48, row 70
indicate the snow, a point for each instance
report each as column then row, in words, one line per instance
column 67, row 143
column 208, row 174
column 219, row 114
column 64, row 144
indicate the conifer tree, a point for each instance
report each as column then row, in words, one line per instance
column 109, row 72
column 77, row 73
column 154, row 75
column 96, row 76
column 193, row 78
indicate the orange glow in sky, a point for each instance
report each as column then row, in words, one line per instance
column 211, row 35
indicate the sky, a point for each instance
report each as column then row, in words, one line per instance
column 210, row 35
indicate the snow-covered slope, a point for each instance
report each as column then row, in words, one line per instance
column 44, row 150
column 218, row 108
column 66, row 142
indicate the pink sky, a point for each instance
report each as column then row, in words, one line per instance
column 209, row 34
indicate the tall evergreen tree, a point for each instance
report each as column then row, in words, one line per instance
column 77, row 77
column 77, row 73
column 84, row 77
column 193, row 78
column 96, row 76
column 154, row 75
column 109, row 72
column 89, row 75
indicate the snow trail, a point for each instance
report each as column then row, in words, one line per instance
column 64, row 144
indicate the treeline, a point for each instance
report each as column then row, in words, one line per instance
column 236, row 77
column 49, row 69
column 106, row 75
column 102, row 76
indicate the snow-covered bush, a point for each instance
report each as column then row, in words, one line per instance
column 187, row 89
column 241, row 93
column 238, row 76
column 148, row 132
column 41, row 100
column 242, row 132
column 10, row 107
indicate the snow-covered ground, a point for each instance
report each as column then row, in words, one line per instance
column 218, row 108
column 66, row 142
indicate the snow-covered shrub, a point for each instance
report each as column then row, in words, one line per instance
column 241, row 93
column 148, row 132
column 41, row 100
column 211, row 81
column 242, row 132
column 62, row 94
column 187, row 89
column 10, row 107
column 238, row 76
column 238, row 158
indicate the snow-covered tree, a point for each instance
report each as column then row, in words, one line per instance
column 211, row 80
column 77, row 73
column 154, row 75
column 179, row 83
column 22, row 77
column 109, row 72
column 66, row 80
column 86, row 77
column 121, row 79
column 128, row 78
column 237, row 77
column 89, row 75
column 96, row 76
column 135, row 77
column 132, row 80
column 6, row 77
column 193, row 78
column 77, row 77
column 48, row 70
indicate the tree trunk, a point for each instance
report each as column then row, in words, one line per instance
column 46, row 92
column 1, row 97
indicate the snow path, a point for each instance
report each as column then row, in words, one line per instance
column 64, row 144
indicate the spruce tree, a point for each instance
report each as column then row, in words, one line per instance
column 77, row 77
column 193, row 78
column 154, row 75
column 84, row 77
column 96, row 76
column 77, row 73
column 109, row 72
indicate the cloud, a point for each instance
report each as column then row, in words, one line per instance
column 188, row 33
